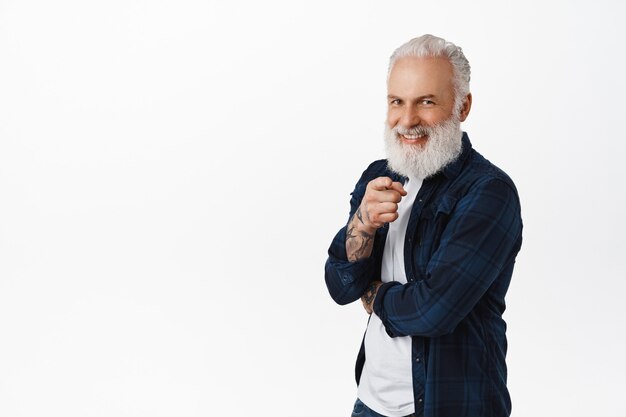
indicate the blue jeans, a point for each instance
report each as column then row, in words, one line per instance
column 361, row 410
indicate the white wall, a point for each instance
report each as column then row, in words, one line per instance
column 172, row 173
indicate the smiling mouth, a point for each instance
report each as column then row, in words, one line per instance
column 413, row 139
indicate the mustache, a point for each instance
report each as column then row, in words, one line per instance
column 416, row 130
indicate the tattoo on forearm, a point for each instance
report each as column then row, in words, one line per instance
column 359, row 215
column 370, row 293
column 358, row 243
column 362, row 244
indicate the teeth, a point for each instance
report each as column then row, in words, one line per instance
column 412, row 137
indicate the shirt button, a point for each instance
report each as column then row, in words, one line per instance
column 420, row 400
column 417, row 359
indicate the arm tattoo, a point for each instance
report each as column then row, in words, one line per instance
column 358, row 243
column 359, row 215
column 370, row 293
column 363, row 243
column 350, row 232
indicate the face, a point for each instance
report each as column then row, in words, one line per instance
column 420, row 92
column 423, row 130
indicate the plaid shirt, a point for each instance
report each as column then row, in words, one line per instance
column 464, row 232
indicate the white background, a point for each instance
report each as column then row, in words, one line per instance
column 172, row 173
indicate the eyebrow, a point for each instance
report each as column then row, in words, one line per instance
column 418, row 98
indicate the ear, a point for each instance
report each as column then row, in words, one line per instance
column 467, row 105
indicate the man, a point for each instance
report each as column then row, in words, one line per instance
column 429, row 249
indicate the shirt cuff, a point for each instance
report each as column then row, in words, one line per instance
column 379, row 307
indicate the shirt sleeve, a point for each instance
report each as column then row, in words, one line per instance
column 479, row 242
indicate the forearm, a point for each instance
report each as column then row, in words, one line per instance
column 346, row 280
column 359, row 238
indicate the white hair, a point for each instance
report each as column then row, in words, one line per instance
column 433, row 46
column 444, row 145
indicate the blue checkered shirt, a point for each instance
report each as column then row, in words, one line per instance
column 462, row 238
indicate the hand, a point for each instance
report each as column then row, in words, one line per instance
column 378, row 206
column 380, row 203
column 370, row 294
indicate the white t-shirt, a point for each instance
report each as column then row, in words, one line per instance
column 386, row 384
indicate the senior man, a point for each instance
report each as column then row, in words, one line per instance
column 429, row 249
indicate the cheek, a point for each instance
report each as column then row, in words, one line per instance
column 392, row 118
column 435, row 118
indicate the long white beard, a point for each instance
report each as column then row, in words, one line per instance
column 415, row 161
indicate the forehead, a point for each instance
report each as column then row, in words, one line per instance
column 415, row 77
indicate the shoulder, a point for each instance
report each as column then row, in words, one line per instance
column 480, row 183
column 480, row 172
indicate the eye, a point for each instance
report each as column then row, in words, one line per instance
column 427, row 102
column 395, row 102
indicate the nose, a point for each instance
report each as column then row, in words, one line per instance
column 409, row 117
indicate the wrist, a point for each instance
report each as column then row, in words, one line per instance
column 364, row 229
column 362, row 223
column 369, row 296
